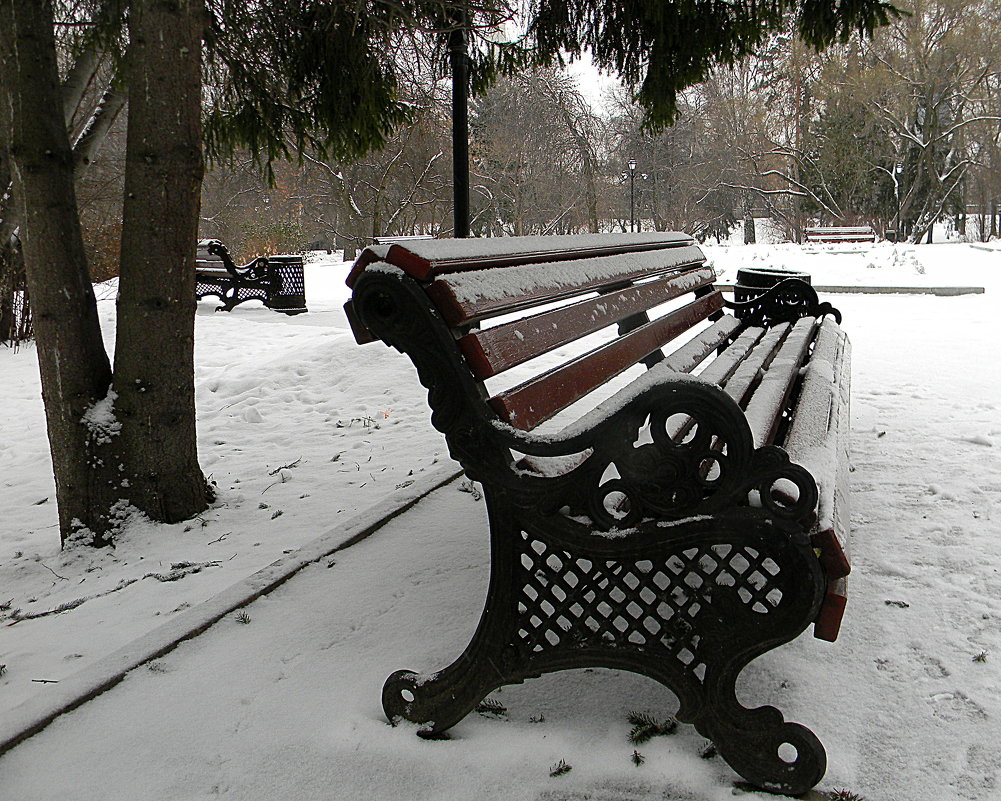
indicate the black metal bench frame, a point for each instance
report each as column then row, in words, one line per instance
column 277, row 281
column 699, row 552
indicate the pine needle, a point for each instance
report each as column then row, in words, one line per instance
column 645, row 727
column 490, row 706
column 560, row 768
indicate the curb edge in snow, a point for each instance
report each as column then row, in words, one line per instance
column 34, row 714
column 941, row 291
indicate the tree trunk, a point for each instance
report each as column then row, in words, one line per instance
column 154, row 347
column 74, row 367
column 749, row 235
column 128, row 440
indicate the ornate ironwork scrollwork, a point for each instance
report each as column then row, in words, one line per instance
column 785, row 302
column 677, row 450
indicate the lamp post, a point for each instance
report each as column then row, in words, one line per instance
column 460, row 126
column 632, row 195
column 631, row 177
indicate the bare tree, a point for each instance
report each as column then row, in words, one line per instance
column 535, row 157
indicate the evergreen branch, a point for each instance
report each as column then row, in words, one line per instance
column 645, row 727
column 490, row 706
column 560, row 768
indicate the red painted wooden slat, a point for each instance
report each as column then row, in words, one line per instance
column 832, row 610
column 424, row 259
column 458, row 309
column 497, row 349
column 538, row 399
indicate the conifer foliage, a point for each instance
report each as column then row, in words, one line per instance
column 665, row 46
column 277, row 77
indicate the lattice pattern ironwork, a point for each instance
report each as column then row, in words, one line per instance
column 566, row 599
column 288, row 278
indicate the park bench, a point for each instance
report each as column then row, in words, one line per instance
column 857, row 233
column 692, row 520
column 277, row 281
column 402, row 239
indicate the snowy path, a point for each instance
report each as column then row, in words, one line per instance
column 924, row 717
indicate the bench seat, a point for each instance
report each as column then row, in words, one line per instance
column 665, row 471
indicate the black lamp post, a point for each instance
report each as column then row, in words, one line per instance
column 632, row 195
column 460, row 126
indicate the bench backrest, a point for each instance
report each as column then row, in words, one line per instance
column 508, row 301
column 211, row 255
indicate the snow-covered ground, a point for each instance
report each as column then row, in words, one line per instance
column 300, row 429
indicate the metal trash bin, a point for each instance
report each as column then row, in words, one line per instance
column 289, row 284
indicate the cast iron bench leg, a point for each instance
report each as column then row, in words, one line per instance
column 688, row 612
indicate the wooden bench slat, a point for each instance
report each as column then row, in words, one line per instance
column 699, row 348
column 723, row 366
column 771, row 397
column 828, row 622
column 822, row 416
column 466, row 297
column 426, row 259
column 494, row 350
column 538, row 399
column 739, row 385
column 818, row 440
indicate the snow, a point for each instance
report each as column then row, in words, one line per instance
column 100, row 419
column 480, row 286
column 303, row 430
column 445, row 249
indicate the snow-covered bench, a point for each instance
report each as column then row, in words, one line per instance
column 277, row 281
column 691, row 521
column 836, row 234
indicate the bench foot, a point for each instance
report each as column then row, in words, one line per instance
column 436, row 702
column 769, row 752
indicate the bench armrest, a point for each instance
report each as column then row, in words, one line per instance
column 786, row 301
column 256, row 269
column 680, row 448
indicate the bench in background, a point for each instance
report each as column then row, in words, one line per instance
column 691, row 521
column 277, row 281
column 858, row 233
column 402, row 239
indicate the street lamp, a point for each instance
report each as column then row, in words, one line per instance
column 631, row 176
column 632, row 195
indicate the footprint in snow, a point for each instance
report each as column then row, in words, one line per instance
column 956, row 706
